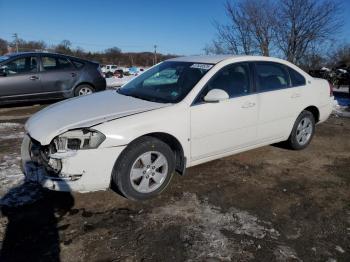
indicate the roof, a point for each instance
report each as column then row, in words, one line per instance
column 215, row 59
column 45, row 53
column 209, row 59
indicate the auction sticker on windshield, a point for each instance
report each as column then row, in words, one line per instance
column 202, row 66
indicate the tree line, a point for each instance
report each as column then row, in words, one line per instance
column 303, row 32
column 113, row 55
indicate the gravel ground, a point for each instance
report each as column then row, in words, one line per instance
column 268, row 204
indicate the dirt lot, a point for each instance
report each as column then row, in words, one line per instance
column 269, row 204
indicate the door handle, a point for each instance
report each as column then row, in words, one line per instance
column 73, row 74
column 296, row 95
column 248, row 105
column 33, row 78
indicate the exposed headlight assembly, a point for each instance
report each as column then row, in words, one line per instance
column 78, row 139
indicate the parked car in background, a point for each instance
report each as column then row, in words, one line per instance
column 180, row 113
column 41, row 76
column 108, row 68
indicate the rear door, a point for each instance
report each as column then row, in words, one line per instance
column 22, row 80
column 58, row 75
column 278, row 101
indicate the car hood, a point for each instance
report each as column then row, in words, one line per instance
column 85, row 111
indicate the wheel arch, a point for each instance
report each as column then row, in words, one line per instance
column 314, row 111
column 176, row 147
column 83, row 83
column 173, row 143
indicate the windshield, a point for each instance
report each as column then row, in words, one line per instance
column 168, row 82
column 3, row 58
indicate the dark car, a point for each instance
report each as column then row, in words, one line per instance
column 43, row 76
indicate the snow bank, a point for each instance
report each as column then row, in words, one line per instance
column 340, row 111
column 10, row 172
column 118, row 82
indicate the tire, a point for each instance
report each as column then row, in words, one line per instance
column 25, row 154
column 303, row 131
column 138, row 173
column 84, row 89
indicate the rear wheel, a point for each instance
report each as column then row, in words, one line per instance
column 144, row 169
column 303, row 131
column 83, row 90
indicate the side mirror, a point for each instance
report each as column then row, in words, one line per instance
column 216, row 95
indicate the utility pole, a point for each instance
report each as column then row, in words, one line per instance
column 155, row 54
column 15, row 36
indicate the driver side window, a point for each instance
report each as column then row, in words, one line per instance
column 234, row 79
column 22, row 65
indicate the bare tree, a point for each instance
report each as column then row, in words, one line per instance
column 340, row 56
column 250, row 29
column 304, row 23
column 3, row 46
column 261, row 20
column 64, row 47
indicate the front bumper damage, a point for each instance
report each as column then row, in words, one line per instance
column 73, row 170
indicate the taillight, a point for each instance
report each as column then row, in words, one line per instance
column 330, row 88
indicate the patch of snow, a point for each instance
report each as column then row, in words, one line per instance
column 12, row 136
column 15, row 189
column 24, row 194
column 340, row 111
column 10, row 130
column 204, row 225
column 10, row 172
column 340, row 249
column 8, row 125
column 284, row 253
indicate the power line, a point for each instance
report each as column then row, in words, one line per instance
column 155, row 54
column 15, row 36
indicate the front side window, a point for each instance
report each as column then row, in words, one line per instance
column 22, row 65
column 55, row 63
column 233, row 79
column 168, row 82
column 271, row 76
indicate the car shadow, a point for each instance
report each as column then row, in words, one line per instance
column 33, row 213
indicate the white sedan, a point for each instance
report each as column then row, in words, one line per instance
column 180, row 113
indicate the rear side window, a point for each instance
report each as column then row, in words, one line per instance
column 271, row 76
column 296, row 78
column 77, row 63
column 55, row 63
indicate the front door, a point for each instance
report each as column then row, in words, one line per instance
column 20, row 80
column 218, row 128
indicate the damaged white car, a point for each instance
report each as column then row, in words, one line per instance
column 180, row 113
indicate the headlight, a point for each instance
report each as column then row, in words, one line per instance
column 78, row 139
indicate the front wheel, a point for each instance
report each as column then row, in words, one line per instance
column 303, row 131
column 144, row 169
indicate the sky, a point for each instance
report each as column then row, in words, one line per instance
column 180, row 27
